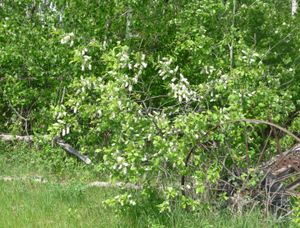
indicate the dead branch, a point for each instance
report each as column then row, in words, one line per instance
column 67, row 147
column 274, row 159
column 7, row 138
column 254, row 121
column 114, row 185
column 99, row 184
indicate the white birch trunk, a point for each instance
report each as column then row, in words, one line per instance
column 128, row 34
column 294, row 7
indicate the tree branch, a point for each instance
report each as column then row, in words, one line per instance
column 67, row 147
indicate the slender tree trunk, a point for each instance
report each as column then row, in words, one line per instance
column 294, row 7
column 231, row 46
column 128, row 33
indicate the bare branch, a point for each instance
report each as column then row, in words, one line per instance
column 67, row 147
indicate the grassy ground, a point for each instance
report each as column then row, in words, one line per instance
column 49, row 205
column 37, row 205
column 30, row 204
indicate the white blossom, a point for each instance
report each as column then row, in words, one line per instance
column 144, row 64
column 119, row 159
column 68, row 37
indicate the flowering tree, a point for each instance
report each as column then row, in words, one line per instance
column 150, row 89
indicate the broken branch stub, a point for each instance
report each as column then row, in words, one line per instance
column 67, row 147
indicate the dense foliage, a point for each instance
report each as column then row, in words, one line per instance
column 138, row 85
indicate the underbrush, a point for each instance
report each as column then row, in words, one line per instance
column 43, row 159
column 66, row 201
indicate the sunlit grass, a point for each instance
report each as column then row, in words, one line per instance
column 38, row 205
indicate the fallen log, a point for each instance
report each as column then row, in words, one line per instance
column 271, row 184
column 280, row 180
column 67, row 147
column 295, row 151
column 115, row 185
column 37, row 179
column 98, row 184
column 8, row 138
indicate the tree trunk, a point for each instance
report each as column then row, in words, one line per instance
column 294, row 7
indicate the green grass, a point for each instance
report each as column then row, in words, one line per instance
column 31, row 204
column 28, row 204
column 23, row 159
column 38, row 205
